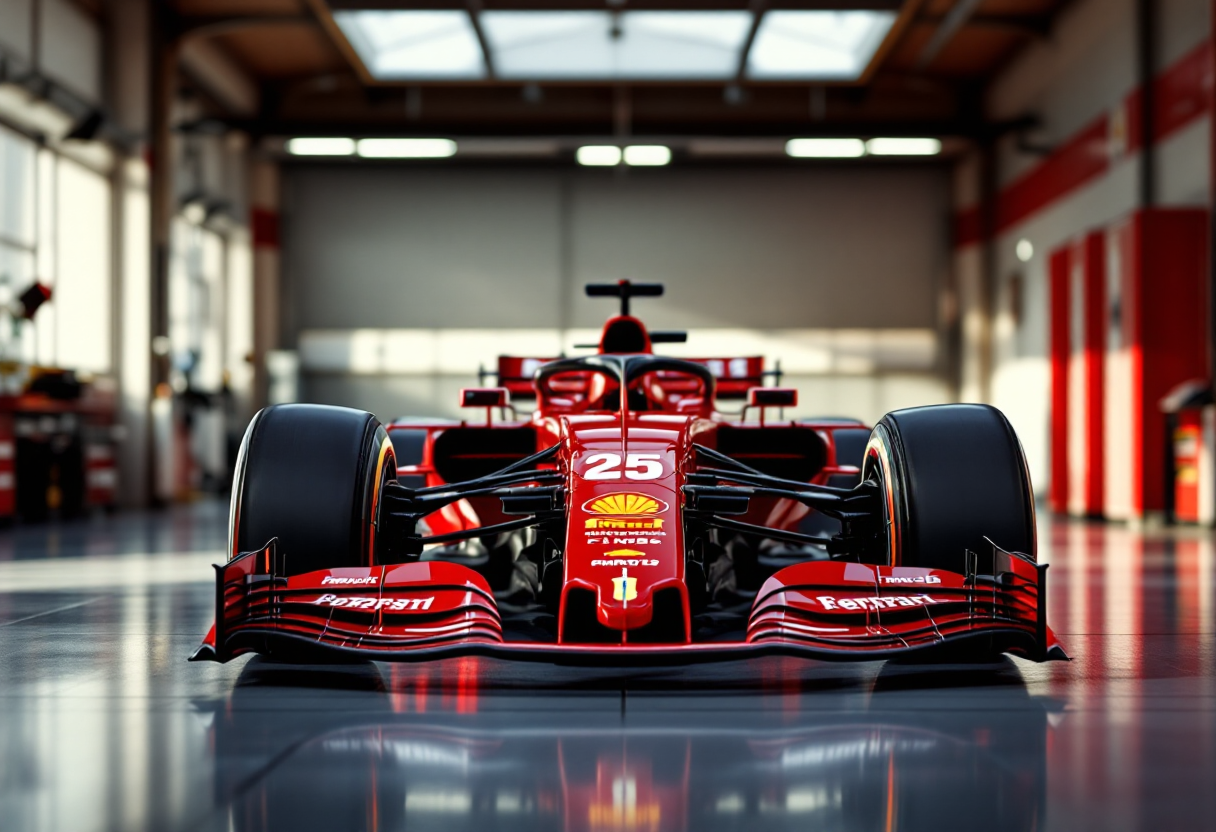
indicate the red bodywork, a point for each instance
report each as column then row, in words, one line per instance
column 624, row 556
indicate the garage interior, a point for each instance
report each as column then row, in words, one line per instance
column 212, row 206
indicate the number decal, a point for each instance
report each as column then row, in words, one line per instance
column 603, row 467
column 638, row 467
column 644, row 466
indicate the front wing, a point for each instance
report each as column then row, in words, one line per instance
column 818, row 610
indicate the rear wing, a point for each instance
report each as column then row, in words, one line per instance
column 734, row 376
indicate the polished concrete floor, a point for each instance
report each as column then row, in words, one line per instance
column 104, row 726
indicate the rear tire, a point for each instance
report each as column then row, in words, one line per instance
column 311, row 476
column 950, row 476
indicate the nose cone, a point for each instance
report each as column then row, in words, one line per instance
column 624, row 540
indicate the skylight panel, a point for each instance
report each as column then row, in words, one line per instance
column 828, row 45
column 404, row 45
column 603, row 45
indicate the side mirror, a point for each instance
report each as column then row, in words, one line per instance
column 485, row 397
column 772, row 397
column 766, row 397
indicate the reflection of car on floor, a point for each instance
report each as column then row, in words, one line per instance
column 839, row 766
column 631, row 519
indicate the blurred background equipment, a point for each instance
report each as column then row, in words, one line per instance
column 30, row 301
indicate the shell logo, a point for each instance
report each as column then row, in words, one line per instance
column 625, row 504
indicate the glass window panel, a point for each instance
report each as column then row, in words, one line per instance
column 196, row 308
column 47, row 191
column 82, row 286
column 414, row 44
column 209, row 375
column 16, row 270
column 635, row 45
column 184, row 265
column 238, row 316
column 17, row 182
column 817, row 44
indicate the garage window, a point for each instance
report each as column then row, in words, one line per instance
column 55, row 228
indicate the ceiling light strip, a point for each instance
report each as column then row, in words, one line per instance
column 852, row 148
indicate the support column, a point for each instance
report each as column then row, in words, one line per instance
column 162, row 89
column 267, row 295
column 1092, row 251
column 127, row 95
column 1212, row 200
column 1060, row 317
column 986, row 299
column 965, row 303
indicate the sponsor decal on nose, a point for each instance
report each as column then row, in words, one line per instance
column 625, row 557
column 624, row 553
column 624, row 588
column 625, row 504
column 625, row 510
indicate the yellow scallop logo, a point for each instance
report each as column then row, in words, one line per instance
column 625, row 504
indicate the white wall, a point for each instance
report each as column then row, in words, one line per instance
column 370, row 246
column 836, row 268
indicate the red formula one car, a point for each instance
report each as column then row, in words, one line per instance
column 630, row 521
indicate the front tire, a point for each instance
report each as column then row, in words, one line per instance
column 950, row 476
column 311, row 476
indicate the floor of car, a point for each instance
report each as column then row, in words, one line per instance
column 534, row 624
column 722, row 622
column 530, row 624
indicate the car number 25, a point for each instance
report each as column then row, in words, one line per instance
column 608, row 466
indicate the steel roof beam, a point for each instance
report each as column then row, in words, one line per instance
column 954, row 20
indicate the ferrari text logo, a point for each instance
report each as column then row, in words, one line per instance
column 624, row 588
column 367, row 603
column 871, row 602
column 625, row 510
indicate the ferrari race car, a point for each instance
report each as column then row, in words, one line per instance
column 630, row 520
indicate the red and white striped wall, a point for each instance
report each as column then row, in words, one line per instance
column 1128, row 323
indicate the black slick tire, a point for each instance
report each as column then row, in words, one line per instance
column 311, row 476
column 950, row 476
